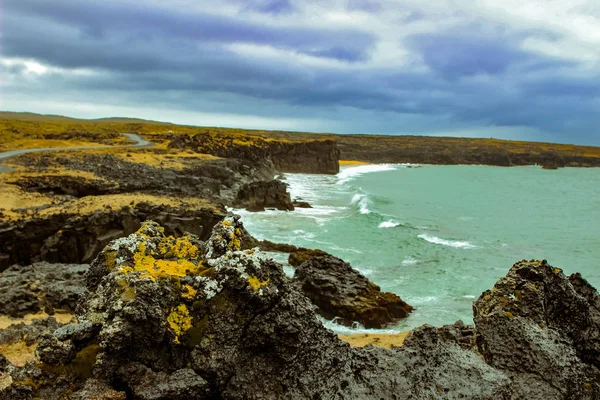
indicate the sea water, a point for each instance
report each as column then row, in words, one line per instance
column 438, row 236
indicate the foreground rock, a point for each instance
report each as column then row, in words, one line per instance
column 543, row 331
column 178, row 318
column 342, row 293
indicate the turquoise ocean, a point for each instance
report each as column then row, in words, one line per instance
column 438, row 236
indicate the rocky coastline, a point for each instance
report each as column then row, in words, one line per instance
column 124, row 276
column 180, row 318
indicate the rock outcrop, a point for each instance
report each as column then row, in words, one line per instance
column 343, row 294
column 41, row 287
column 257, row 196
column 73, row 238
column 311, row 156
column 543, row 331
column 179, row 318
column 209, row 179
column 301, row 255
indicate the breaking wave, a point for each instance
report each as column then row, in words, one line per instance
column 444, row 242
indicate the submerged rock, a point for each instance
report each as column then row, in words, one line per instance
column 344, row 294
column 179, row 318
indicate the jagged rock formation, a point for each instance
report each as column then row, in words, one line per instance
column 178, row 318
column 342, row 293
column 72, row 238
column 257, row 196
column 311, row 156
column 543, row 331
column 41, row 287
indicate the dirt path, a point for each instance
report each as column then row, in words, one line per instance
column 139, row 142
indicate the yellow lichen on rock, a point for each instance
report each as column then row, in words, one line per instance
column 178, row 248
column 155, row 268
column 179, row 321
column 189, row 292
column 256, row 283
column 110, row 259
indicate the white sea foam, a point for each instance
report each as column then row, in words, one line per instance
column 349, row 173
column 364, row 271
column 356, row 328
column 389, row 224
column 362, row 200
column 444, row 242
column 410, row 261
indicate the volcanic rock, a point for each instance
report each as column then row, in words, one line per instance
column 311, row 156
column 342, row 293
column 41, row 287
column 74, row 238
column 178, row 318
column 543, row 330
column 257, row 196
column 301, row 255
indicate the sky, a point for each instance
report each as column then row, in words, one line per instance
column 512, row 69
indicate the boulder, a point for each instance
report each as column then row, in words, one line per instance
column 257, row 196
column 543, row 330
column 342, row 293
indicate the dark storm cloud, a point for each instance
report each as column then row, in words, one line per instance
column 101, row 21
column 457, row 55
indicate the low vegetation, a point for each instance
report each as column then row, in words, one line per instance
column 23, row 130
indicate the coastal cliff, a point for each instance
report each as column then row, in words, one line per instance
column 311, row 156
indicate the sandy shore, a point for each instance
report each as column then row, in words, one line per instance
column 382, row 340
column 347, row 163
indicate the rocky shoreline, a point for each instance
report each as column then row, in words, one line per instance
column 179, row 318
column 188, row 305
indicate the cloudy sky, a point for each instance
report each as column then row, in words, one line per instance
column 515, row 69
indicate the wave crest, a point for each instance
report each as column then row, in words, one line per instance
column 389, row 224
column 347, row 174
column 444, row 242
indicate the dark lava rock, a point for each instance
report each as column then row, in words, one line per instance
column 257, row 196
column 66, row 185
column 178, row 318
column 301, row 255
column 29, row 334
column 301, row 204
column 543, row 330
column 41, row 287
column 312, row 157
column 73, row 238
column 341, row 292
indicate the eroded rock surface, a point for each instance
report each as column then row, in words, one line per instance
column 77, row 238
column 41, row 287
column 543, row 330
column 257, row 196
column 343, row 293
column 310, row 156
